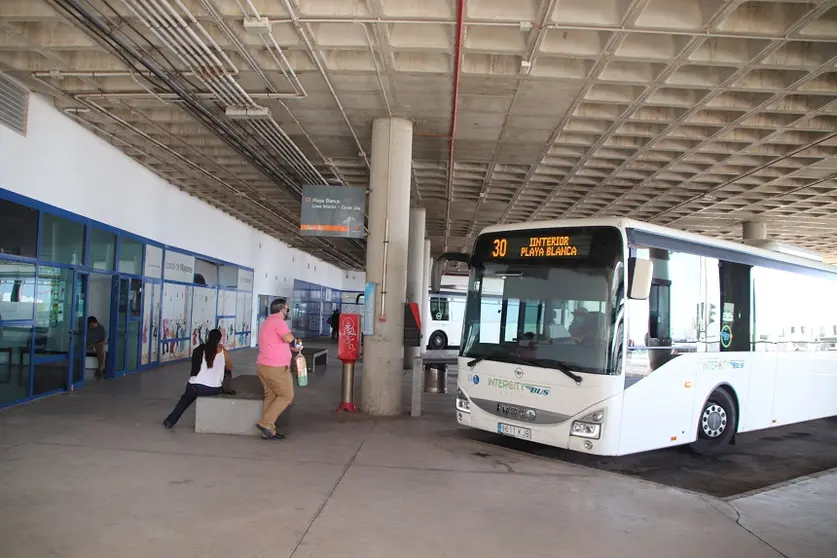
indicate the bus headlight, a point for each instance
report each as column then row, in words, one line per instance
column 588, row 426
column 462, row 403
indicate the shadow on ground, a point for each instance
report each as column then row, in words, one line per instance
column 758, row 460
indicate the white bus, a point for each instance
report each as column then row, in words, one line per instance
column 445, row 327
column 618, row 337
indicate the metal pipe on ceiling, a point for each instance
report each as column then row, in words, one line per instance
column 292, row 226
column 238, row 193
column 245, row 54
column 103, row 30
column 457, row 65
column 215, row 76
column 312, row 53
column 556, row 26
column 377, row 67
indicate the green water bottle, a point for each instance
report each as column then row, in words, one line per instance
column 301, row 366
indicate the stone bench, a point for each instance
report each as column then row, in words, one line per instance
column 235, row 414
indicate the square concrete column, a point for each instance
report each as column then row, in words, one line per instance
column 415, row 272
column 387, row 247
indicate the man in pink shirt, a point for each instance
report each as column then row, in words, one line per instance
column 274, row 368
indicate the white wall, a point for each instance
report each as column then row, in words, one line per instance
column 63, row 164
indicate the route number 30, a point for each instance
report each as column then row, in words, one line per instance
column 500, row 247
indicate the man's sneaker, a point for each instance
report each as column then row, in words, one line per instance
column 268, row 434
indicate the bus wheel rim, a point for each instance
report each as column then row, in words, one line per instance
column 714, row 420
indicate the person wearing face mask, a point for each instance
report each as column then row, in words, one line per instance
column 273, row 366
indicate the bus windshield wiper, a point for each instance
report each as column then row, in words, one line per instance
column 563, row 368
column 502, row 355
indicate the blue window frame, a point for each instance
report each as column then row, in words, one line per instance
column 75, row 247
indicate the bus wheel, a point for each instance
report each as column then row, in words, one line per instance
column 716, row 425
column 438, row 340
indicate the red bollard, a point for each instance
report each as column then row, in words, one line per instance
column 348, row 350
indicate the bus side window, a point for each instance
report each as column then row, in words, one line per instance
column 439, row 309
column 659, row 302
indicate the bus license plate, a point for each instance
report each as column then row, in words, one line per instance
column 514, row 431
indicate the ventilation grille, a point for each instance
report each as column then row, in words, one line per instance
column 14, row 105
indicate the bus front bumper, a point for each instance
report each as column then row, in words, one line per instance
column 589, row 432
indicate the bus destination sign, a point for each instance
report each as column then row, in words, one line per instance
column 542, row 245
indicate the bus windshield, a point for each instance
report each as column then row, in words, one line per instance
column 547, row 297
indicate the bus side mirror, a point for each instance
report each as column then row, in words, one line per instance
column 439, row 266
column 640, row 273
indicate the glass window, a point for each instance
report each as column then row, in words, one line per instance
column 130, row 256
column 439, row 309
column 206, row 272
column 15, row 342
column 555, row 302
column 805, row 324
column 62, row 240
column 17, row 291
column 735, row 306
column 102, row 249
column 54, row 298
column 53, row 323
column 228, row 276
column 18, row 230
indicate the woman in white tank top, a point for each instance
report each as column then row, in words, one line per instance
column 209, row 360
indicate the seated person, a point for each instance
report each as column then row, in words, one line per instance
column 582, row 329
column 527, row 346
column 210, row 361
column 97, row 339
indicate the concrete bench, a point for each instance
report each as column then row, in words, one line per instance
column 315, row 357
column 235, row 414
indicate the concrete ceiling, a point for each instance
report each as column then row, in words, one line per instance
column 698, row 114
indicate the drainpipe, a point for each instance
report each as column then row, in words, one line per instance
column 460, row 31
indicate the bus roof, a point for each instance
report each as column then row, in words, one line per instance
column 668, row 232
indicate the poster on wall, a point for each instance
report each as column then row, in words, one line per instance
column 243, row 319
column 179, row 267
column 153, row 261
column 204, row 300
column 175, row 342
column 155, row 320
column 227, row 327
column 147, row 290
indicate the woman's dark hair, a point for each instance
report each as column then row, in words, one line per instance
column 211, row 347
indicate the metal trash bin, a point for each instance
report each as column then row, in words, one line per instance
column 435, row 378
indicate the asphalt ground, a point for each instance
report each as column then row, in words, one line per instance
column 757, row 461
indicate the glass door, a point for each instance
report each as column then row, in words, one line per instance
column 121, row 325
column 55, row 324
column 128, row 325
column 133, row 339
column 79, row 337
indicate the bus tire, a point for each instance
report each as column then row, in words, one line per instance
column 438, row 341
column 717, row 424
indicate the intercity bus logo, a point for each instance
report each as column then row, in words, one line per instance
column 518, row 372
column 512, row 385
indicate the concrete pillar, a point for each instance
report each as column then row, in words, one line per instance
column 386, row 264
column 425, row 289
column 415, row 271
column 754, row 230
